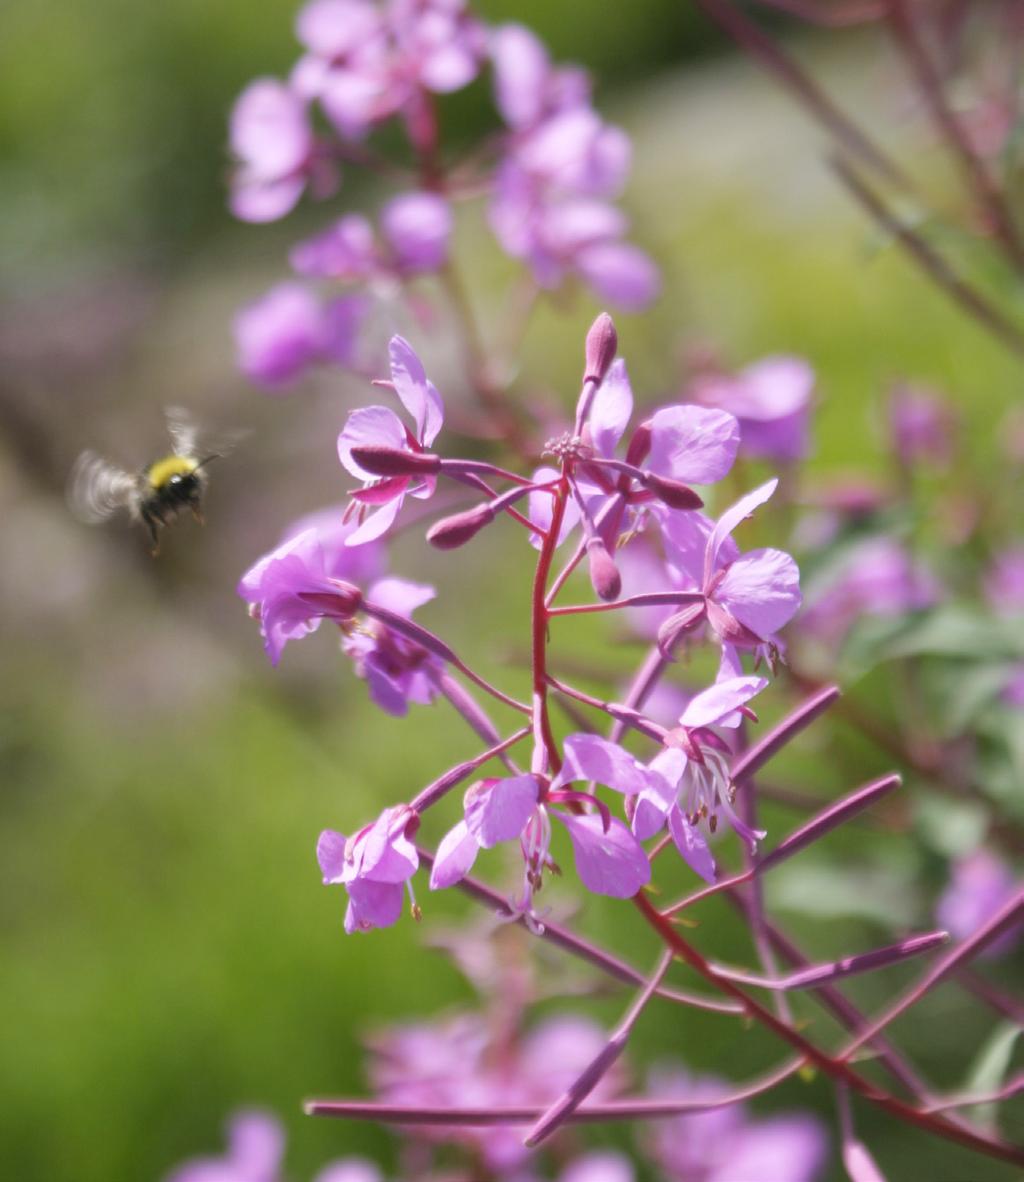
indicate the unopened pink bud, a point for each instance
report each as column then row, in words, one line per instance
column 604, row 574
column 340, row 604
column 393, row 461
column 451, row 532
column 602, row 344
column 673, row 493
column 639, row 445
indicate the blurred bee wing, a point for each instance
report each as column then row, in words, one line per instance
column 183, row 431
column 97, row 488
column 189, row 441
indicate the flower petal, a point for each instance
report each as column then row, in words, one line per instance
column 589, row 757
column 693, row 444
column 498, row 810
column 330, row 853
column 717, row 705
column 729, row 520
column 372, row 905
column 373, row 426
column 376, row 525
column 762, row 590
column 400, row 596
column 455, row 857
column 418, row 395
column 691, row 844
column 609, row 863
column 611, row 409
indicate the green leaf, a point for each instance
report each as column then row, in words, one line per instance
column 988, row 1071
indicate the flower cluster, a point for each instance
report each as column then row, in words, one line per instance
column 553, row 172
column 739, row 600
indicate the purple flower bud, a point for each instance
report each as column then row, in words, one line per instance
column 673, row 493
column 451, row 532
column 604, row 574
column 391, row 461
column 602, row 344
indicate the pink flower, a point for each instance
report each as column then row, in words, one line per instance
column 378, row 426
column 458, row 1062
column 725, row 1145
column 287, row 330
column 255, row 1153
column 397, row 671
column 922, row 425
column 876, row 576
column 373, row 866
column 694, row 764
column 748, row 598
column 365, row 64
column 772, row 401
column 271, row 137
column 313, row 574
column 416, row 229
column 609, row 860
column 681, row 445
column 527, row 88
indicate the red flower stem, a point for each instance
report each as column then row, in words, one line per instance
column 474, row 481
column 638, row 1108
column 577, row 946
column 846, row 1013
column 836, row 1069
column 562, row 577
column 546, row 749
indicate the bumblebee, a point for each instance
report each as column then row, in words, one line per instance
column 154, row 496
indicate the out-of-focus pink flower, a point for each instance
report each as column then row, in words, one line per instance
column 1004, row 582
column 457, row 1063
column 373, row 866
column 599, row 1167
column 877, row 577
column 527, row 88
column 562, row 166
column 558, row 235
column 272, row 140
column 378, row 426
column 254, row 1154
column 288, row 329
column 979, row 885
column 922, row 425
column 366, row 63
column 416, row 229
column 771, row 399
column 725, row 1145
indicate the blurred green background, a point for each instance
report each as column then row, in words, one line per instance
column 168, row 951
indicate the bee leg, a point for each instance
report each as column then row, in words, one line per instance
column 151, row 525
column 197, row 513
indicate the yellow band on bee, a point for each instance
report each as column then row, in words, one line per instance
column 159, row 472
